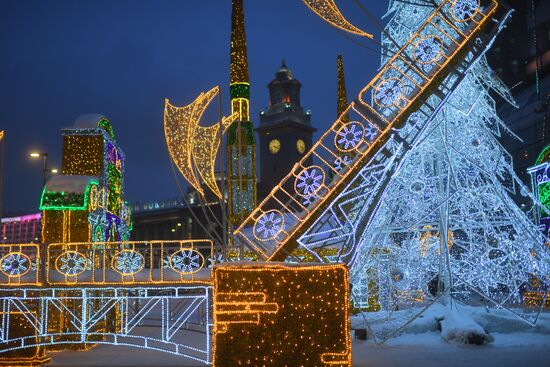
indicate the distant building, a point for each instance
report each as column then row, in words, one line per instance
column 285, row 130
column 521, row 58
column 173, row 220
column 21, row 229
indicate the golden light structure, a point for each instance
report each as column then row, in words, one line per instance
column 329, row 12
column 279, row 314
column 1, row 135
column 193, row 148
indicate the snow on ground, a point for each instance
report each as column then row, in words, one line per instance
column 515, row 343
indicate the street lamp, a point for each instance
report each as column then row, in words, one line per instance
column 45, row 168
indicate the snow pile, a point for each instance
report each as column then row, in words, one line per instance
column 459, row 327
column 456, row 323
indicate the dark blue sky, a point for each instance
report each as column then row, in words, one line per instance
column 61, row 59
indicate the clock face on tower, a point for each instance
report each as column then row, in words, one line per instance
column 301, row 146
column 274, row 146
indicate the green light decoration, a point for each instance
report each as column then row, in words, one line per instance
column 544, row 197
column 53, row 200
column 106, row 125
column 544, row 155
column 115, row 189
column 240, row 90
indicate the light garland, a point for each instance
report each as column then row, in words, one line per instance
column 330, row 13
column 128, row 263
column 278, row 314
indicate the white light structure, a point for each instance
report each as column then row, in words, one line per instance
column 434, row 219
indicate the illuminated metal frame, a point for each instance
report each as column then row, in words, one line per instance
column 182, row 309
column 384, row 120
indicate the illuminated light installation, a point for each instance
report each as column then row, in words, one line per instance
column 540, row 183
column 329, row 12
column 86, row 202
column 184, row 311
column 241, row 143
column 537, row 294
column 275, row 314
column 100, row 292
column 129, row 263
column 397, row 90
column 433, row 175
column 193, row 147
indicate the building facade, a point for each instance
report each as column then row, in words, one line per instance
column 285, row 131
column 521, row 58
column 21, row 229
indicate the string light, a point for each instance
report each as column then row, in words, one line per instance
column 271, row 314
column 31, row 318
column 128, row 263
column 91, row 187
column 330, row 13
column 193, row 147
column 389, row 112
column 241, row 144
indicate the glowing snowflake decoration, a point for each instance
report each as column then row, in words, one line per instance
column 464, row 10
column 309, row 181
column 388, row 92
column 15, row 264
column 308, row 200
column 128, row 262
column 428, row 50
column 341, row 162
column 370, row 133
column 269, row 225
column 186, row 261
column 349, row 136
column 72, row 263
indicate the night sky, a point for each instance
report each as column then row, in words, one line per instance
column 61, row 59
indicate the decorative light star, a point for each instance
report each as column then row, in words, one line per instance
column 15, row 264
column 186, row 261
column 128, row 262
column 388, row 92
column 309, row 181
column 349, row 136
column 72, row 263
column 269, row 225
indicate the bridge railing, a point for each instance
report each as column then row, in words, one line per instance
column 140, row 262
column 20, row 264
column 386, row 103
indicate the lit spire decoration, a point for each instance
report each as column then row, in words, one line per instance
column 193, row 148
column 342, row 103
column 330, row 13
column 241, row 145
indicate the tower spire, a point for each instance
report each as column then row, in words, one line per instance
column 241, row 144
column 342, row 99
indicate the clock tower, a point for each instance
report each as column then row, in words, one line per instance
column 285, row 130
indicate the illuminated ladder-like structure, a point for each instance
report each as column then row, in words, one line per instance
column 387, row 119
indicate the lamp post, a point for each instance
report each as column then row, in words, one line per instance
column 45, row 169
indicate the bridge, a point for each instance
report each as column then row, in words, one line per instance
column 110, row 293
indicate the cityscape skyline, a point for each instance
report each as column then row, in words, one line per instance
column 107, row 58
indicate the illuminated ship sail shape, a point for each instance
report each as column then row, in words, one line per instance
column 193, row 148
column 329, row 12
